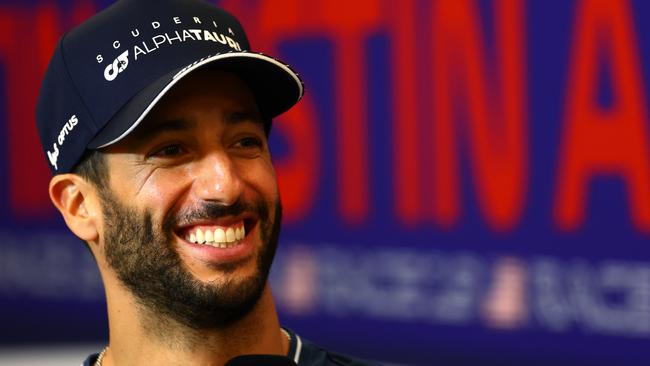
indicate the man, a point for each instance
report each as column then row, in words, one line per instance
column 154, row 117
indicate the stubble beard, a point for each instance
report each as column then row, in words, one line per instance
column 146, row 263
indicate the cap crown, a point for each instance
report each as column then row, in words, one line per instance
column 100, row 65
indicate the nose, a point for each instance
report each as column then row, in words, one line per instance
column 217, row 179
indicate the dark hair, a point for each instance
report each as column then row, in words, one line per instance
column 268, row 123
column 92, row 167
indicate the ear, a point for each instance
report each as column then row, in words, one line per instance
column 76, row 199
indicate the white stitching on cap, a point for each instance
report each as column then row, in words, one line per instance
column 185, row 71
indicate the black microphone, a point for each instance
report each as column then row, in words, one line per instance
column 260, row 360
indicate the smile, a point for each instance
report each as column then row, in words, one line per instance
column 217, row 236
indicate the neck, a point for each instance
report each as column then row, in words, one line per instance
column 138, row 336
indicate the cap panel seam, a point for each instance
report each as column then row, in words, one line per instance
column 74, row 85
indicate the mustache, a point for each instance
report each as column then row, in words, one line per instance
column 214, row 210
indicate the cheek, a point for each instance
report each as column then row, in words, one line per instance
column 260, row 176
column 161, row 191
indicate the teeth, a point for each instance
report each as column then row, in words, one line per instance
column 230, row 235
column 218, row 238
column 219, row 235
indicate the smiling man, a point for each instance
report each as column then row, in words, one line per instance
column 154, row 118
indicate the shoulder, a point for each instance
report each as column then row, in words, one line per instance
column 314, row 355
column 306, row 353
column 90, row 361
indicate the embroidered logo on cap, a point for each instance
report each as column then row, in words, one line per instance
column 209, row 31
column 53, row 156
column 119, row 64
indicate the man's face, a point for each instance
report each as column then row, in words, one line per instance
column 192, row 212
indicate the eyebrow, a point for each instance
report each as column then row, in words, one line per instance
column 156, row 129
column 243, row 116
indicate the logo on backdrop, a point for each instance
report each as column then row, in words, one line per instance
column 139, row 50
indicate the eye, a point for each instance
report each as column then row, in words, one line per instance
column 249, row 146
column 250, row 142
column 169, row 151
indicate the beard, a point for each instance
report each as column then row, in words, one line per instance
column 146, row 263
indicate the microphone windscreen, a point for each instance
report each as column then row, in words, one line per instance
column 260, row 360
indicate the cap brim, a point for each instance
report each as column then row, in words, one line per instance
column 275, row 86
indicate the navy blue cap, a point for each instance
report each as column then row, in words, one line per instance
column 109, row 72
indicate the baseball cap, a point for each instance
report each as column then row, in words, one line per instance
column 110, row 71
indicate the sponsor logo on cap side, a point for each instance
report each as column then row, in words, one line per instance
column 53, row 156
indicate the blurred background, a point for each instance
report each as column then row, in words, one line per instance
column 465, row 182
